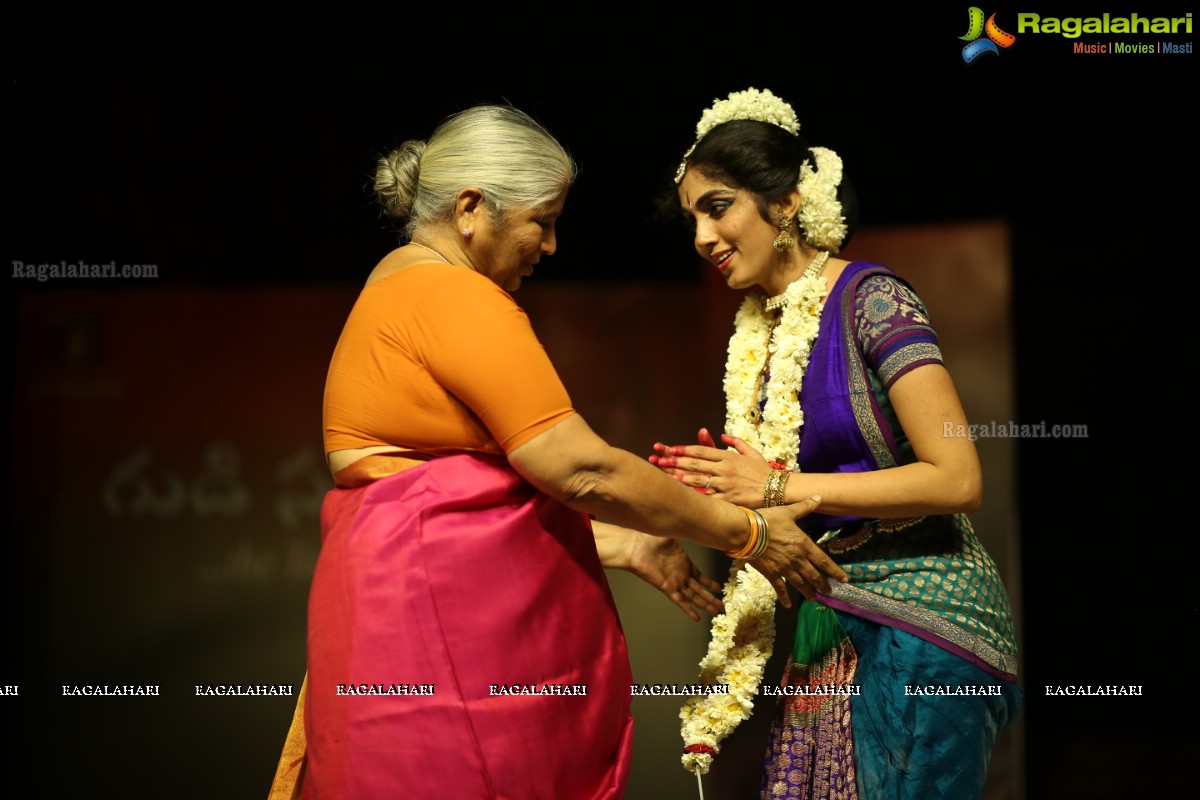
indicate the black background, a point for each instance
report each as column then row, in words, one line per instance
column 237, row 150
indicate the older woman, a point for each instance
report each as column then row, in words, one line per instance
column 462, row 640
column 835, row 387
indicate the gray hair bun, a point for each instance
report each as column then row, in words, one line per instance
column 396, row 177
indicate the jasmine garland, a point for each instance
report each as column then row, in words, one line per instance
column 744, row 636
column 742, row 640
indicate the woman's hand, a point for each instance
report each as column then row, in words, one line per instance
column 660, row 562
column 736, row 475
column 792, row 558
column 665, row 565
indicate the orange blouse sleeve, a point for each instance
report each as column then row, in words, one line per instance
column 480, row 345
column 438, row 356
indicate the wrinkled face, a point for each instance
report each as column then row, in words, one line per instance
column 507, row 252
column 730, row 233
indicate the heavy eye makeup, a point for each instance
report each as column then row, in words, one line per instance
column 712, row 204
column 715, row 204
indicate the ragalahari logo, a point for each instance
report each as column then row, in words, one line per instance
column 976, row 28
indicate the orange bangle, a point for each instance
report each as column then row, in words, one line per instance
column 752, row 542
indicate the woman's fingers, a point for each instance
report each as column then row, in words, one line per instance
column 804, row 507
column 695, row 452
column 817, row 558
column 703, row 597
column 804, row 565
column 815, row 568
column 781, row 591
column 739, row 445
column 696, row 595
column 804, row 588
column 827, row 566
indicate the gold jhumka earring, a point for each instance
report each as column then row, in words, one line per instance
column 784, row 240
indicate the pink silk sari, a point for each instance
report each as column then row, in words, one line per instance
column 460, row 576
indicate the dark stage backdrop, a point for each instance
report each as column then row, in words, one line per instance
column 163, row 428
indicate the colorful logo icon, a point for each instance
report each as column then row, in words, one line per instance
column 976, row 27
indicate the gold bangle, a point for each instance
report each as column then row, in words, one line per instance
column 773, row 489
column 769, row 488
column 781, row 487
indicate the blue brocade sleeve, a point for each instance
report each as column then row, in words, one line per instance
column 893, row 328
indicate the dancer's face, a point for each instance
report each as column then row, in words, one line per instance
column 730, row 232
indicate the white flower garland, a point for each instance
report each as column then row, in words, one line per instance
column 744, row 636
column 786, row 356
column 742, row 640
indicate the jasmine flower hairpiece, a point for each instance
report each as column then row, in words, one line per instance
column 821, row 216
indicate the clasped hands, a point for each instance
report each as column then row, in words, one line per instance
column 737, row 475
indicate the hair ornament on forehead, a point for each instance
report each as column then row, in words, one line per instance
column 821, row 217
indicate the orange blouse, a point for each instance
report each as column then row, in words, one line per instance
column 438, row 357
